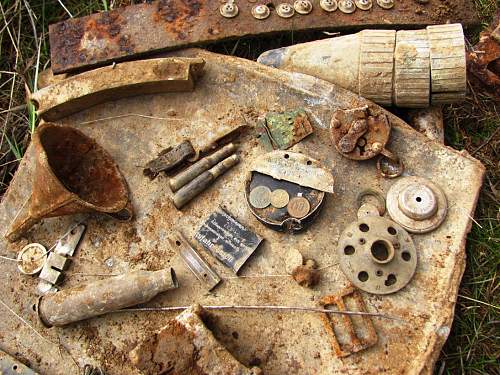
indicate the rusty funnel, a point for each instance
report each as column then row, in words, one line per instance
column 72, row 174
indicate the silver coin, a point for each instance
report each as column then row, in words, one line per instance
column 260, row 197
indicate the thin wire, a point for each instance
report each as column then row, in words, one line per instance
column 66, row 9
column 263, row 307
column 128, row 115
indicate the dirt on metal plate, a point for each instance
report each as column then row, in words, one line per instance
column 279, row 343
column 81, row 43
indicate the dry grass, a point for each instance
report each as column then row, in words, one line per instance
column 473, row 346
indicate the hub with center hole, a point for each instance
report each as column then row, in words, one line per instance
column 377, row 255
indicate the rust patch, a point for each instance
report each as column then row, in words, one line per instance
column 177, row 16
column 484, row 60
column 156, row 26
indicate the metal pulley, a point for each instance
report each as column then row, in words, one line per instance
column 359, row 134
column 285, row 190
column 376, row 254
column 417, row 204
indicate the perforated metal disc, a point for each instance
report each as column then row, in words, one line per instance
column 377, row 255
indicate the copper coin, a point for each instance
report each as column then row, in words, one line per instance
column 298, row 207
column 279, row 198
column 260, row 197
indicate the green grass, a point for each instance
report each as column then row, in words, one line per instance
column 473, row 346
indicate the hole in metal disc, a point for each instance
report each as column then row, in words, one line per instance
column 392, row 231
column 380, row 251
column 364, row 228
column 406, row 256
column 391, row 280
column 363, row 276
column 286, row 156
column 362, row 241
column 418, row 199
column 379, row 273
column 349, row 250
column 178, row 243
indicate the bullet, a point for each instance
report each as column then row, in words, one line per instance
column 201, row 166
column 100, row 297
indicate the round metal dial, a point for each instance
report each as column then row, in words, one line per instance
column 377, row 255
column 31, row 258
column 417, row 204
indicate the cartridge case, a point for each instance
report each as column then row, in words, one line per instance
column 200, row 183
column 201, row 166
column 103, row 296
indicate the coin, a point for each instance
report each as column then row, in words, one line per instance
column 298, row 207
column 260, row 197
column 31, row 258
column 279, row 198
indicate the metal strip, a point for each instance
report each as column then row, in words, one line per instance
column 195, row 262
column 129, row 32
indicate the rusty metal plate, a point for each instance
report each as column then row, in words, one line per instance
column 282, row 343
column 101, row 38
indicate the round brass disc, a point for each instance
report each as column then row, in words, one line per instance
column 377, row 255
column 31, row 258
column 417, row 204
column 279, row 198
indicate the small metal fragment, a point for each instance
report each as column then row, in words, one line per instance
column 169, row 159
column 328, row 5
column 31, row 258
column 298, row 207
column 260, row 11
column 364, row 4
column 284, row 129
column 198, row 266
column 285, row 10
column 359, row 336
column 260, row 197
column 417, row 204
column 229, row 9
column 390, row 166
column 58, row 260
column 103, row 296
column 386, row 4
column 279, row 198
column 347, row 6
column 303, row 6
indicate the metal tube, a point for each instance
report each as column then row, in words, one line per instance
column 200, row 183
column 201, row 166
column 104, row 296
